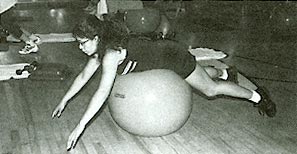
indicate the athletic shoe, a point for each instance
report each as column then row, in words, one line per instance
column 30, row 47
column 37, row 40
column 265, row 106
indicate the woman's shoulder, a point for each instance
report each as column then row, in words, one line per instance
column 115, row 54
column 113, row 58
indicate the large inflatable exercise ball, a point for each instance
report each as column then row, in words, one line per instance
column 164, row 26
column 142, row 20
column 151, row 103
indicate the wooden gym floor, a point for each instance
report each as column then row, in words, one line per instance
column 219, row 126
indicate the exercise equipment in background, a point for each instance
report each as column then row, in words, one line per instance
column 9, row 71
column 142, row 20
column 46, row 71
column 164, row 28
column 56, row 37
column 35, row 71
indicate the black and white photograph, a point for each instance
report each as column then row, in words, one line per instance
column 148, row 77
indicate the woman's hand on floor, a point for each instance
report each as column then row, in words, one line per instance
column 72, row 140
column 59, row 109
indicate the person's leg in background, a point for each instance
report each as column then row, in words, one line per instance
column 4, row 46
column 9, row 24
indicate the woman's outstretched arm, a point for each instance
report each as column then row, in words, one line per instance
column 110, row 64
column 77, row 84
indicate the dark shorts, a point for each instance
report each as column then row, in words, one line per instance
column 162, row 54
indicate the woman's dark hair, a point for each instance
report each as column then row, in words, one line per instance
column 88, row 27
column 111, row 32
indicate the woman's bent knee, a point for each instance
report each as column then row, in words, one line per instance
column 207, row 89
column 209, row 92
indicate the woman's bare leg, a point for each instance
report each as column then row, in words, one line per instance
column 201, row 80
column 213, row 72
column 24, row 37
column 27, row 36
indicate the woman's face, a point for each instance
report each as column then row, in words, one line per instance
column 88, row 46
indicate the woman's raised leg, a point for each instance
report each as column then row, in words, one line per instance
column 201, row 80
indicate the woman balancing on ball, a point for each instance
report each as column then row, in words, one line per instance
column 105, row 42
